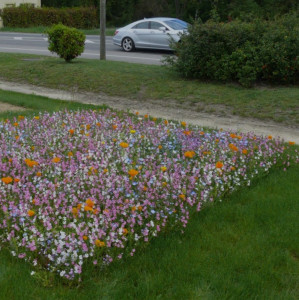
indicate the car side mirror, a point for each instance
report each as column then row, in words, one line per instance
column 162, row 28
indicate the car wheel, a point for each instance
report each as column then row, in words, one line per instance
column 127, row 44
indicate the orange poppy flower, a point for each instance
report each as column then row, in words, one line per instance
column 219, row 165
column 71, row 131
column 16, row 179
column 291, row 143
column 31, row 163
column 85, row 237
column 56, row 160
column 187, row 132
column 124, row 145
column 89, row 203
column 88, row 208
column 133, row 172
column 182, row 196
column 7, row 179
column 270, row 137
column 189, row 154
column 244, row 151
column 125, row 231
column 30, row 213
column 233, row 147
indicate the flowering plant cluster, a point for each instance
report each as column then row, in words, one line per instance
column 92, row 185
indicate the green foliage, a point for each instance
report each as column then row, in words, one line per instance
column 26, row 16
column 243, row 52
column 67, row 42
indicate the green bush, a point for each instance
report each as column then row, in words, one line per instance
column 243, row 52
column 67, row 42
column 26, row 16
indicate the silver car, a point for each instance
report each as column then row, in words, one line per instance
column 152, row 33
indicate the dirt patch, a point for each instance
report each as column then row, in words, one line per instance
column 167, row 109
column 8, row 107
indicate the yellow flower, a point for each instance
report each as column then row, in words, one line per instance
column 183, row 124
column 182, row 196
column 163, row 169
column 99, row 243
column 36, row 117
column 75, row 211
column 132, row 131
column 165, row 122
column 85, row 237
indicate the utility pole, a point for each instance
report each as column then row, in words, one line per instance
column 103, row 29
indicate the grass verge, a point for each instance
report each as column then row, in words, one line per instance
column 42, row 29
column 146, row 82
column 245, row 247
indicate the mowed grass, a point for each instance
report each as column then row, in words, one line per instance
column 149, row 82
column 43, row 29
column 245, row 247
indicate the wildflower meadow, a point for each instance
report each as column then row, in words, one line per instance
column 89, row 187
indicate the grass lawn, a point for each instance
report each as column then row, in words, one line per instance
column 42, row 29
column 245, row 247
column 144, row 82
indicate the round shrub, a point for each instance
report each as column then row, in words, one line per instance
column 242, row 52
column 66, row 42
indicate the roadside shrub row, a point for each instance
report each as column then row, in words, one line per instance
column 243, row 52
column 79, row 17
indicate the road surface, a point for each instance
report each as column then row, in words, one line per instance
column 33, row 43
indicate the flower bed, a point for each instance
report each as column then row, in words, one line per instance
column 92, row 185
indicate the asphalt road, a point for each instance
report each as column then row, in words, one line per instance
column 32, row 43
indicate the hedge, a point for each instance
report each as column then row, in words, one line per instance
column 254, row 52
column 84, row 17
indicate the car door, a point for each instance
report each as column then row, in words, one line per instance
column 159, row 38
column 141, row 33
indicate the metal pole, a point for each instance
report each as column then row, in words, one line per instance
column 103, row 29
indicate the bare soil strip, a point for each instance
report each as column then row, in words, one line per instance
column 166, row 109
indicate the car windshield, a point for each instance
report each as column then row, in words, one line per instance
column 177, row 24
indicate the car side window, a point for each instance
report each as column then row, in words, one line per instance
column 142, row 25
column 156, row 25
